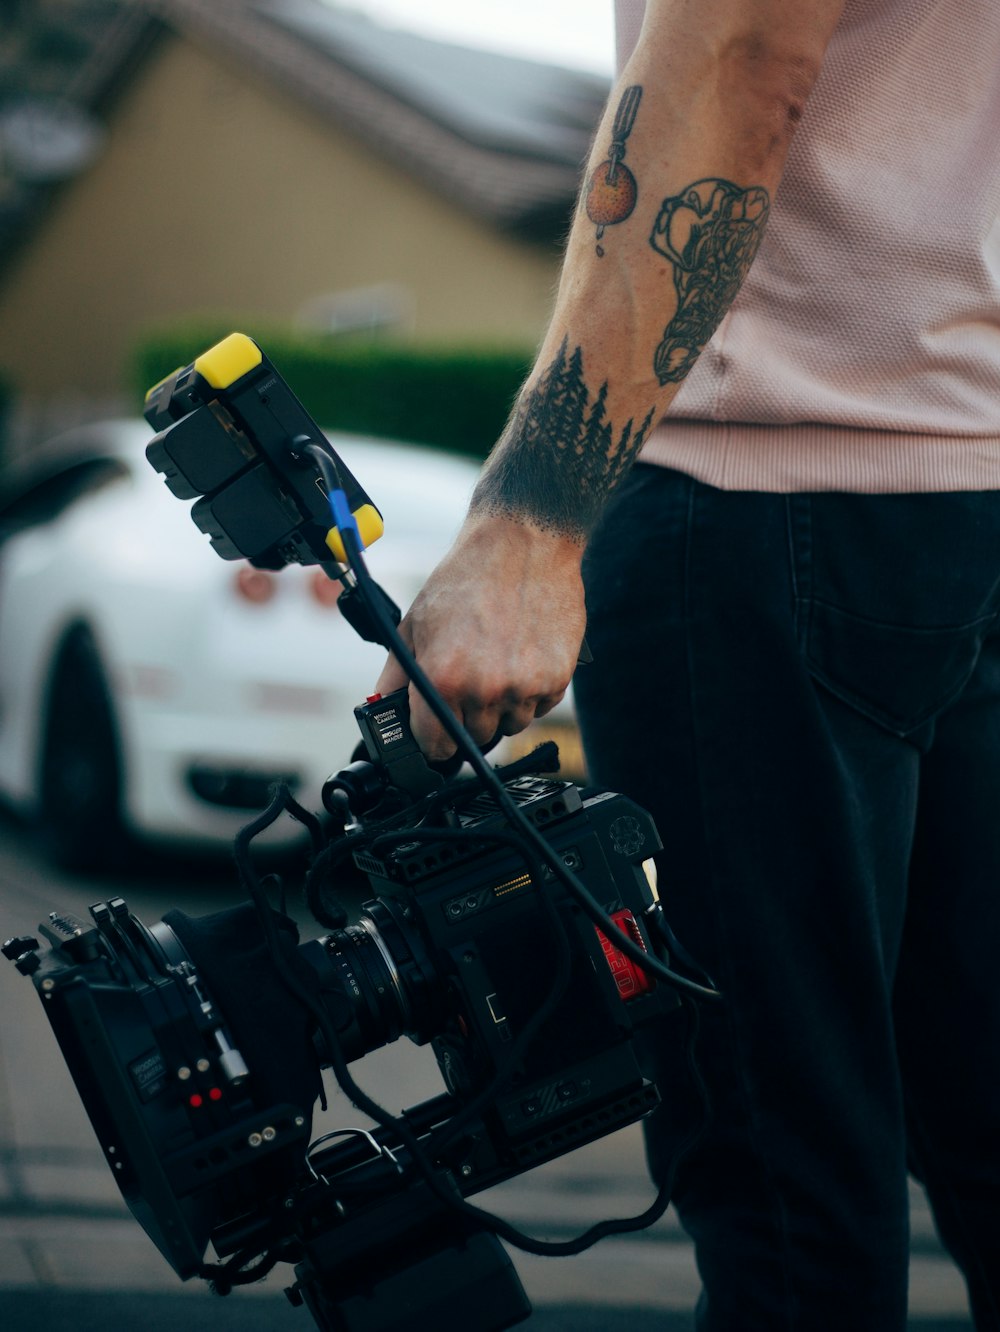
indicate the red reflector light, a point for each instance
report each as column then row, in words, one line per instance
column 215, row 1094
column 628, row 975
column 254, row 585
column 325, row 590
column 196, row 1101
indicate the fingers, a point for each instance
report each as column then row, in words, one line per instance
column 483, row 720
column 545, row 705
column 497, row 629
column 428, row 732
column 393, row 677
column 480, row 721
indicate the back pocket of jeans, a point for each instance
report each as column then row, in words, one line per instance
column 896, row 594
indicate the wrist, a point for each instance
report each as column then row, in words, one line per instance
column 561, row 455
column 519, row 538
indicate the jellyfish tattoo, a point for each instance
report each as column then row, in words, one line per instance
column 710, row 233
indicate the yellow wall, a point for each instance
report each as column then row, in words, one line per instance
column 216, row 194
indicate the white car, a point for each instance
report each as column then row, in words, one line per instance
column 147, row 686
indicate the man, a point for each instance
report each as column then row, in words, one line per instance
column 792, row 606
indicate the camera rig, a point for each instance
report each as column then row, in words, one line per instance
column 513, row 925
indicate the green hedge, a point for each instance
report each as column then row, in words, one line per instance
column 454, row 398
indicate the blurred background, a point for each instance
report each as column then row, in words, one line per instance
column 291, row 166
column 379, row 194
column 383, row 209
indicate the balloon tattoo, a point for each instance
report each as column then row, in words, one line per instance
column 612, row 190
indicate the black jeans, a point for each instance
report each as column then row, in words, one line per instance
column 804, row 690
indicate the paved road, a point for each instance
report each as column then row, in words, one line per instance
column 72, row 1258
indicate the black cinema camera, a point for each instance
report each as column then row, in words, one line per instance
column 512, row 924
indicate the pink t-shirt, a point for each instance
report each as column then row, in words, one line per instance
column 863, row 351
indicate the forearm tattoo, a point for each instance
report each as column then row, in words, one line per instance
column 612, row 191
column 560, row 457
column 710, row 233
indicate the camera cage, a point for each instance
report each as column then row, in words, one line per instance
column 201, row 1096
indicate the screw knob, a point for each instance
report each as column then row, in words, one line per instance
column 15, row 948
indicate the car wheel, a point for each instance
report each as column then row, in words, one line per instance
column 80, row 806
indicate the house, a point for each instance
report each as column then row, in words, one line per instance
column 292, row 160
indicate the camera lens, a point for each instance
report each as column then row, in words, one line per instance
column 377, row 981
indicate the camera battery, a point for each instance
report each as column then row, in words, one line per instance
column 248, row 517
column 201, row 452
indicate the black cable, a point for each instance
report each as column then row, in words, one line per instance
column 379, row 839
column 326, row 465
column 561, row 973
column 308, row 820
column 539, row 849
column 403, row 1131
column 455, row 794
column 225, row 1277
column 392, row 640
column 409, row 1139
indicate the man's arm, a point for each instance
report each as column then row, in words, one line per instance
column 675, row 200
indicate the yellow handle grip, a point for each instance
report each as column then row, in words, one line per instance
column 370, row 526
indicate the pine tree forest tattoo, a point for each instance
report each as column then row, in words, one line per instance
column 559, row 458
column 710, row 233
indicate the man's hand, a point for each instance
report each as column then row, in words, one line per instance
column 497, row 627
